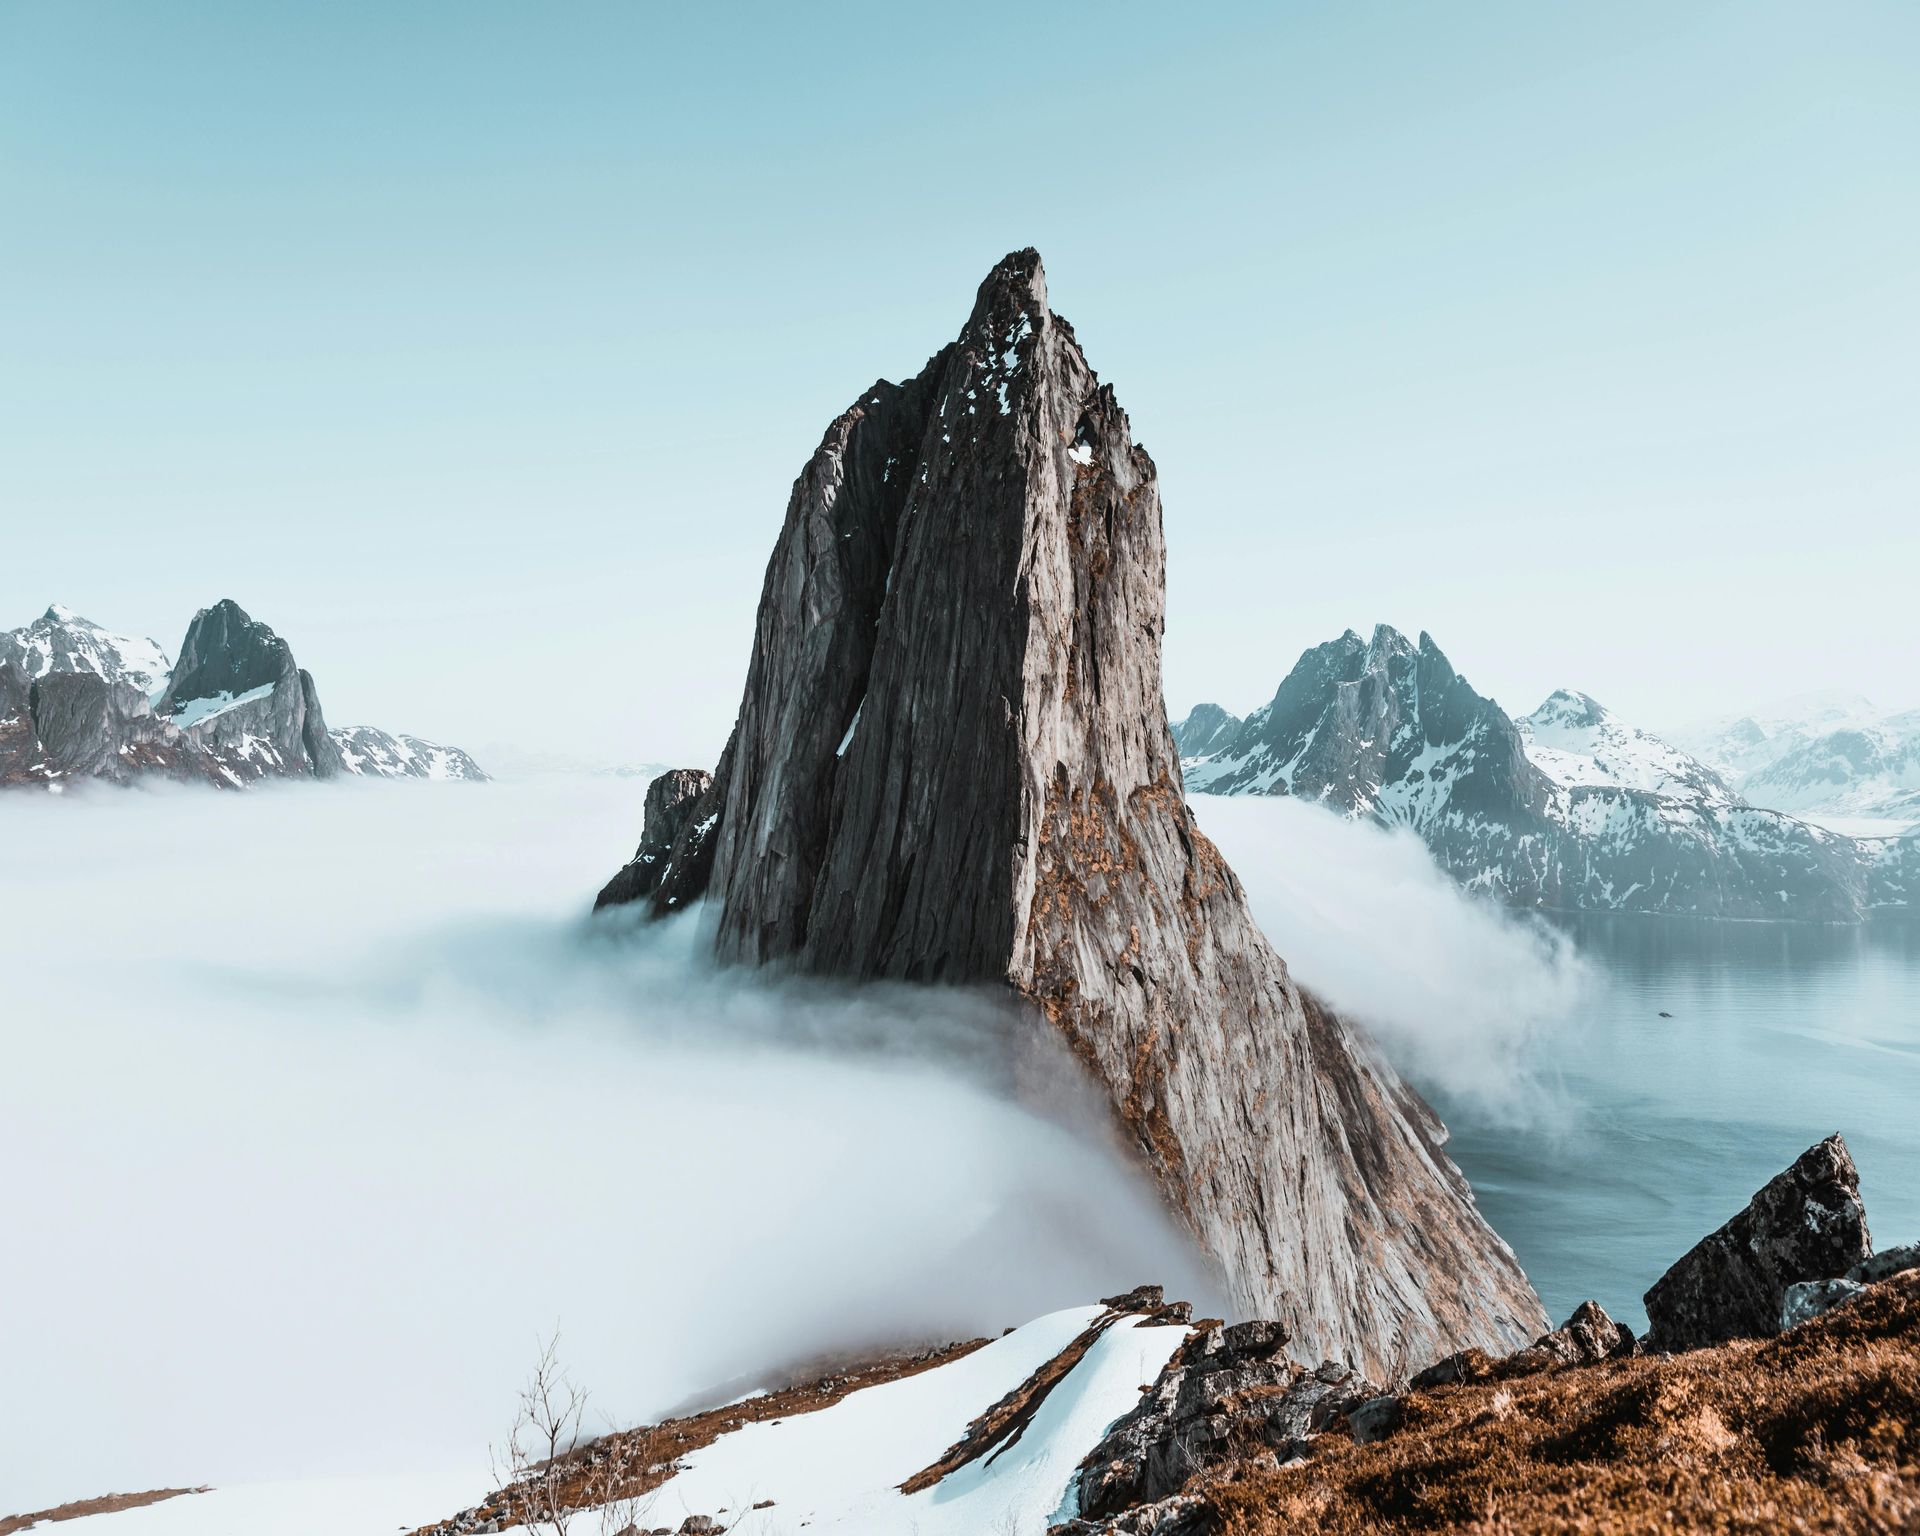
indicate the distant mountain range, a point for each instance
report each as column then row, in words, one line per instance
column 79, row 702
column 1831, row 755
column 1569, row 808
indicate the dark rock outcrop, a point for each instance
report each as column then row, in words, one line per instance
column 1586, row 1338
column 675, row 849
column 1804, row 1224
column 1229, row 1391
column 952, row 763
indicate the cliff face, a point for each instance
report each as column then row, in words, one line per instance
column 952, row 763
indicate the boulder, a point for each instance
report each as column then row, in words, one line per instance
column 1465, row 1365
column 1886, row 1264
column 1586, row 1338
column 1376, row 1418
column 1809, row 1298
column 1805, row 1224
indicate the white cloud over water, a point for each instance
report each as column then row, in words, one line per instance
column 1458, row 990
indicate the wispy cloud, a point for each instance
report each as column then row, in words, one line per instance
column 1457, row 990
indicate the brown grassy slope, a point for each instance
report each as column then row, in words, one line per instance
column 1815, row 1431
column 107, row 1504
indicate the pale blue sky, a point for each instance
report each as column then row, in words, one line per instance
column 475, row 346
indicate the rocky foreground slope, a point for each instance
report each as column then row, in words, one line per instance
column 1779, row 1390
column 1569, row 808
column 78, row 702
column 952, row 764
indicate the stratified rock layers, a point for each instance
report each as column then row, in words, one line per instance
column 952, row 763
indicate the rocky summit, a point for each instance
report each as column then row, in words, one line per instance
column 78, row 702
column 952, row 764
column 1569, row 808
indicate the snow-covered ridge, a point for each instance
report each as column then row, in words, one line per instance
column 366, row 749
column 1574, row 739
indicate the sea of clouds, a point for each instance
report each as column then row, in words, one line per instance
column 324, row 1104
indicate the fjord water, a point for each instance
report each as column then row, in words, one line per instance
column 1779, row 1034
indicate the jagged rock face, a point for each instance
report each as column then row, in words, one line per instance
column 1804, row 1224
column 1382, row 726
column 1227, row 1392
column 81, row 724
column 1206, row 729
column 676, row 809
column 237, row 690
column 952, row 763
column 1569, row 809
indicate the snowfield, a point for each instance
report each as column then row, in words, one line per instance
column 836, row 1470
column 839, row 1470
column 316, row 1507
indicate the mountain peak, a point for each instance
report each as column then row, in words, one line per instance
column 1569, row 706
column 953, row 737
column 1019, row 277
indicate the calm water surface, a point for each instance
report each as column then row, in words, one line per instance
column 1779, row 1036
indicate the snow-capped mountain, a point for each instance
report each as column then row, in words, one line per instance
column 1831, row 756
column 61, row 641
column 1574, row 739
column 77, row 701
column 1568, row 808
column 1866, row 771
column 369, row 750
column 1737, row 746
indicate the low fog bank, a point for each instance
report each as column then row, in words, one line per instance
column 1459, row 992
column 323, row 1103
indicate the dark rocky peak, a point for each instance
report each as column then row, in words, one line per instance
column 952, row 763
column 227, row 652
column 1381, row 727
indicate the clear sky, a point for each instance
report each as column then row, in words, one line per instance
column 475, row 346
